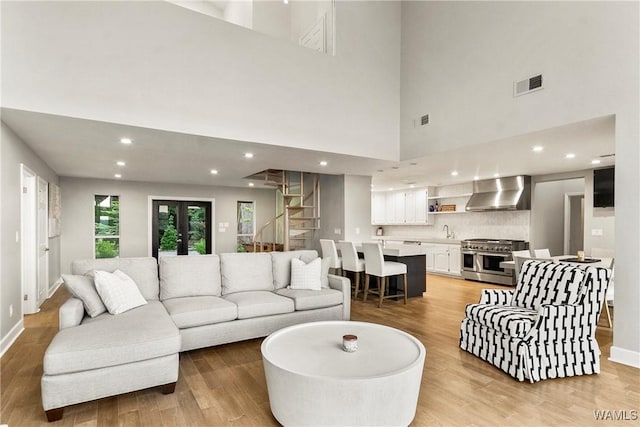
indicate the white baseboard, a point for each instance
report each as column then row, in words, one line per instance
column 54, row 288
column 624, row 356
column 10, row 338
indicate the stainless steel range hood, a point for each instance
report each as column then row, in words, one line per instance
column 510, row 193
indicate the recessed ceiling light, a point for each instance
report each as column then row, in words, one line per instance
column 412, row 186
column 117, row 176
column 475, row 178
column 248, row 155
column 538, row 148
column 126, row 140
column 323, row 163
column 595, row 162
column 372, row 185
column 390, row 188
column 454, row 173
column 251, row 184
column 120, row 163
column 496, row 175
column 570, row 156
column 214, row 171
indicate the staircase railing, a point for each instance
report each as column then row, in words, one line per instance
column 258, row 237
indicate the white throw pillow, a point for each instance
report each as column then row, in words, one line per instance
column 306, row 276
column 83, row 288
column 118, row 291
column 324, row 272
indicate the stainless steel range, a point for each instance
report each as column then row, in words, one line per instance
column 481, row 259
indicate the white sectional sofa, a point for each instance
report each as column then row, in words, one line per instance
column 193, row 302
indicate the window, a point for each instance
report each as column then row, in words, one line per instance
column 246, row 224
column 107, row 226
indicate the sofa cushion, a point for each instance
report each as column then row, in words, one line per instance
column 189, row 276
column 260, row 303
column 83, row 288
column 143, row 333
column 143, row 271
column 309, row 300
column 243, row 272
column 281, row 265
column 118, row 291
column 188, row 312
column 512, row 321
column 542, row 282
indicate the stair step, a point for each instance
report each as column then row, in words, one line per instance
column 304, row 228
column 301, row 207
column 302, row 218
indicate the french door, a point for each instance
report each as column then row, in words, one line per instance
column 181, row 228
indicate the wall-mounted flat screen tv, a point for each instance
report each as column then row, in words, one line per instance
column 603, row 188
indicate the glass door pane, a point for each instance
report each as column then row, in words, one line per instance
column 197, row 231
column 167, row 234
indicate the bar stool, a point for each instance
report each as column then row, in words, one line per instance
column 329, row 250
column 375, row 265
column 351, row 262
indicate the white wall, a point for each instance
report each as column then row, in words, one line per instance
column 331, row 208
column 272, row 18
column 357, row 208
column 239, row 12
column 201, row 6
column 459, row 62
column 547, row 213
column 77, row 212
column 14, row 152
column 164, row 67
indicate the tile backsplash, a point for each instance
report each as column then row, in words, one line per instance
column 467, row 225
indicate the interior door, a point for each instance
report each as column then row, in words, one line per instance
column 181, row 228
column 43, row 241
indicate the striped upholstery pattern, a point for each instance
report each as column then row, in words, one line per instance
column 553, row 341
column 547, row 283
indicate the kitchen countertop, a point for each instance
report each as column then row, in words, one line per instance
column 400, row 250
column 417, row 239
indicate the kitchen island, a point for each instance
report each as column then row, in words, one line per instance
column 414, row 257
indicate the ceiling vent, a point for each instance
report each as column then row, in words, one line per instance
column 528, row 85
column 424, row 120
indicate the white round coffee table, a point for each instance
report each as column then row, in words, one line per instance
column 312, row 381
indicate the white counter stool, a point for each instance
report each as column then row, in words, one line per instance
column 351, row 262
column 329, row 250
column 375, row 265
column 542, row 253
column 519, row 257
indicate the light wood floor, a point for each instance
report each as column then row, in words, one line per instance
column 225, row 385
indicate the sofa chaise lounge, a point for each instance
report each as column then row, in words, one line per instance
column 192, row 302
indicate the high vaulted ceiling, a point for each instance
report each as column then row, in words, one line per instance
column 90, row 149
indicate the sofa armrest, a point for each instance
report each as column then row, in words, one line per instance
column 496, row 296
column 558, row 323
column 70, row 313
column 343, row 285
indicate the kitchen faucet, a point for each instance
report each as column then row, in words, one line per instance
column 449, row 235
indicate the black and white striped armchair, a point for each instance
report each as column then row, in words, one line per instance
column 545, row 328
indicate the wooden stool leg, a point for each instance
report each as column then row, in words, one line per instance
column 357, row 280
column 606, row 308
column 404, row 276
column 366, row 287
column 382, row 281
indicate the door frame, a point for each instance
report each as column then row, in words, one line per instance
column 567, row 219
column 28, row 240
column 151, row 199
column 42, row 235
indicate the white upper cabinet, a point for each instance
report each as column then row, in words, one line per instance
column 399, row 207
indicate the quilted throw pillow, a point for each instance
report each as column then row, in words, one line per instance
column 306, row 276
column 118, row 291
column 547, row 283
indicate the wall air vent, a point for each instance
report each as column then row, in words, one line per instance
column 424, row 120
column 528, row 85
column 604, row 156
